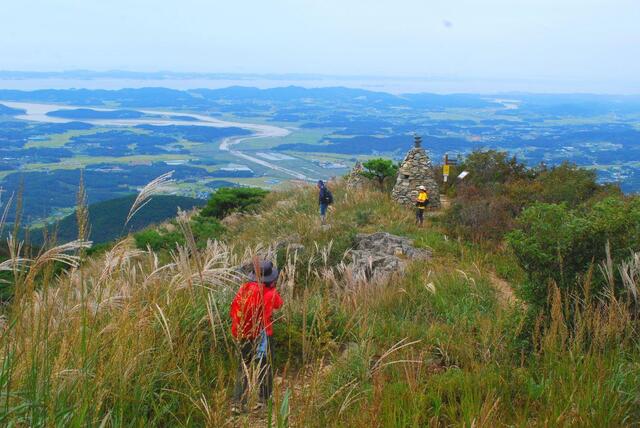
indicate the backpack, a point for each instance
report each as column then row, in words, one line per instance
column 327, row 197
column 422, row 203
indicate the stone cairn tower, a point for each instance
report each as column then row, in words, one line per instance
column 354, row 179
column 415, row 171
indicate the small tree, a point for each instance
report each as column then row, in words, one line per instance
column 229, row 199
column 379, row 169
column 487, row 168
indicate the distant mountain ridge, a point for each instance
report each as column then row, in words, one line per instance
column 217, row 99
column 210, row 98
column 165, row 74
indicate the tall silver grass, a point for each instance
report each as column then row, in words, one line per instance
column 156, row 186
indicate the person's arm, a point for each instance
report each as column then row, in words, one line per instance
column 234, row 307
column 277, row 300
column 233, row 314
column 235, row 304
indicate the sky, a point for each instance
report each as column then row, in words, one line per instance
column 595, row 43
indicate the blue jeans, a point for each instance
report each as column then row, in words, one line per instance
column 323, row 209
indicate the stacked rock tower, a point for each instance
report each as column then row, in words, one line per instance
column 416, row 170
column 355, row 179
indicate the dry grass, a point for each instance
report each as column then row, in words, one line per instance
column 144, row 196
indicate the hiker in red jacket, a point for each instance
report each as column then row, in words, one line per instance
column 252, row 326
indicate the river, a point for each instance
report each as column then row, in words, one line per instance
column 37, row 112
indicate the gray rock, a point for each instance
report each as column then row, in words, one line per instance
column 295, row 248
column 233, row 219
column 381, row 253
column 290, row 242
column 290, row 239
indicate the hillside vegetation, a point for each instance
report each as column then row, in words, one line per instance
column 135, row 337
column 107, row 218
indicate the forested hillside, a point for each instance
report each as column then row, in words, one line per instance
column 107, row 218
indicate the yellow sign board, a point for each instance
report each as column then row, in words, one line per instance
column 445, row 169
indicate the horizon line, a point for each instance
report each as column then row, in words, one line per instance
column 160, row 75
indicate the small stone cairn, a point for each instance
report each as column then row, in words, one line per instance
column 354, row 179
column 416, row 171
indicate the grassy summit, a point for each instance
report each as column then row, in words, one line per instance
column 135, row 338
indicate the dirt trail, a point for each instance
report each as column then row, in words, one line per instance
column 505, row 292
column 504, row 289
column 444, row 204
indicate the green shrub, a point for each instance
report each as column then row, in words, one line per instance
column 567, row 183
column 232, row 199
column 205, row 228
column 550, row 244
column 498, row 188
column 555, row 243
column 477, row 216
column 379, row 169
column 158, row 239
column 488, row 167
column 166, row 238
column 616, row 220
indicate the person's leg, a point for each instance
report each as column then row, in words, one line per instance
column 420, row 217
column 266, row 374
column 323, row 213
column 240, row 389
column 417, row 216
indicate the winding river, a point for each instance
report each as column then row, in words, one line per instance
column 38, row 112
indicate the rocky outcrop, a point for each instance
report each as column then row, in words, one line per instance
column 381, row 253
column 234, row 219
column 291, row 243
column 416, row 170
column 287, row 245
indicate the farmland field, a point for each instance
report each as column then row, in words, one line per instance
column 245, row 136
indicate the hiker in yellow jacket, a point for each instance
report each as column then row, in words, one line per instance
column 422, row 200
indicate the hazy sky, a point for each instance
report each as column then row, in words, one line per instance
column 562, row 40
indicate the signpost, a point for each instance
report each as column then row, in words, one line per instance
column 446, row 167
column 445, row 171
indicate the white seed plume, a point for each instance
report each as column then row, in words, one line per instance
column 144, row 197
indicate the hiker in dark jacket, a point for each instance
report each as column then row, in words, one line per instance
column 325, row 198
column 252, row 326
